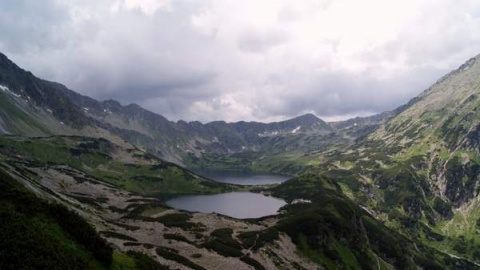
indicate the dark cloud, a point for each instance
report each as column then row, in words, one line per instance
column 247, row 60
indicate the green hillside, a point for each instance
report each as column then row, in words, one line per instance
column 39, row 234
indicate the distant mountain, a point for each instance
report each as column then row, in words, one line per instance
column 35, row 107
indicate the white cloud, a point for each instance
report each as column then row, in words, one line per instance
column 148, row 7
column 244, row 60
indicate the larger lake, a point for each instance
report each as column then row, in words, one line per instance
column 234, row 204
column 244, row 177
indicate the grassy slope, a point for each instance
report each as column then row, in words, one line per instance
column 134, row 171
column 34, row 235
column 419, row 171
column 335, row 232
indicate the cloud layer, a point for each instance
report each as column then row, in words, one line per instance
column 243, row 60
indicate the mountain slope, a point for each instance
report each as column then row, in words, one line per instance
column 335, row 232
column 419, row 171
column 35, row 234
column 441, row 128
column 35, row 107
column 23, row 85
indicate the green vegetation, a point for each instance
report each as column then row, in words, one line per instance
column 145, row 262
column 35, row 234
column 316, row 228
column 257, row 239
column 171, row 254
column 222, row 242
column 17, row 119
column 133, row 260
column 180, row 220
column 96, row 158
column 177, row 237
column 252, row 262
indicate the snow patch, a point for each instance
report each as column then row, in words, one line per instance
column 297, row 201
column 268, row 134
column 296, row 129
column 6, row 89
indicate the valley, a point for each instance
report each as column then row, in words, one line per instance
column 397, row 190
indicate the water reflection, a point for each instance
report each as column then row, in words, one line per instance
column 233, row 204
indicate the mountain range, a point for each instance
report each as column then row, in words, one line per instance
column 40, row 107
column 397, row 190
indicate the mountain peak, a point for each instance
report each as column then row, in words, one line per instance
column 304, row 120
column 308, row 117
column 8, row 65
column 4, row 58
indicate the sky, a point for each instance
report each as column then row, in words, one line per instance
column 260, row 60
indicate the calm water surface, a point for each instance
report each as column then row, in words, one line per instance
column 244, row 178
column 233, row 204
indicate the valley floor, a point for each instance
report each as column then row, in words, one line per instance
column 145, row 224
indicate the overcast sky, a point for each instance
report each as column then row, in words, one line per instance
column 236, row 60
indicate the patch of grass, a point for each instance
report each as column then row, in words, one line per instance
column 257, row 239
column 173, row 255
column 177, row 237
column 250, row 261
column 122, row 261
column 222, row 242
column 154, row 210
column 179, row 220
column 145, row 262
column 196, row 255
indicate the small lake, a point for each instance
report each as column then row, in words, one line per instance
column 244, row 178
column 234, row 204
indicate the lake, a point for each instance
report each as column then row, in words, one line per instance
column 234, row 204
column 244, row 178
